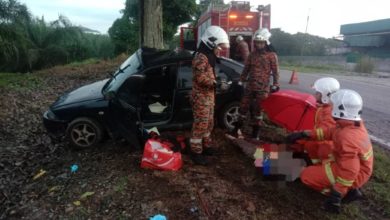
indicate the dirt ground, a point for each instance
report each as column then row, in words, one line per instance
column 109, row 183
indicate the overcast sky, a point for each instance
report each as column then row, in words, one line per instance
column 325, row 16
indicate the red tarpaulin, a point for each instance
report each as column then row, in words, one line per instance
column 291, row 109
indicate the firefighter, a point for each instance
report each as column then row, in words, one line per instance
column 259, row 67
column 319, row 150
column 203, row 92
column 341, row 177
column 242, row 49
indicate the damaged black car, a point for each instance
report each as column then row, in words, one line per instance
column 150, row 89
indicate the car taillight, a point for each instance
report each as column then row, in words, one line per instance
column 248, row 16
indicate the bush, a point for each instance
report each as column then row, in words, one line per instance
column 364, row 65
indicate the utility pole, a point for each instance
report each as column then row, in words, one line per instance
column 307, row 21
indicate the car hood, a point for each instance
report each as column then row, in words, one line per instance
column 88, row 92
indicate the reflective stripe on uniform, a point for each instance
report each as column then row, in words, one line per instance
column 195, row 141
column 201, row 119
column 259, row 117
column 315, row 161
column 344, row 182
column 329, row 173
column 367, row 155
column 325, row 191
column 320, row 134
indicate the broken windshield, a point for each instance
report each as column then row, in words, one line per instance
column 126, row 69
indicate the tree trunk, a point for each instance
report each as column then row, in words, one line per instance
column 151, row 24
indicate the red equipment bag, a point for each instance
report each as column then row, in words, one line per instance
column 158, row 155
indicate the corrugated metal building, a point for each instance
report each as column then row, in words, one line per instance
column 371, row 37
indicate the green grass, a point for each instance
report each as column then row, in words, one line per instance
column 378, row 188
column 20, row 81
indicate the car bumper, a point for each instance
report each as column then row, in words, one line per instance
column 55, row 127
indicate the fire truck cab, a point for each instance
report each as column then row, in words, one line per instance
column 236, row 18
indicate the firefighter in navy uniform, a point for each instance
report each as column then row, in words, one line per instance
column 261, row 64
column 203, row 92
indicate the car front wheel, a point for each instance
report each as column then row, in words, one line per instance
column 229, row 114
column 84, row 133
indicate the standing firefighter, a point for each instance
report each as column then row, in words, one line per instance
column 259, row 67
column 203, row 92
column 242, row 49
column 341, row 177
column 321, row 150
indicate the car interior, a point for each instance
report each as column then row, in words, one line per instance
column 157, row 94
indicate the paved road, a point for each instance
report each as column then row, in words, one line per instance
column 375, row 92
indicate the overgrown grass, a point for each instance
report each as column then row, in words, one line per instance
column 20, row 81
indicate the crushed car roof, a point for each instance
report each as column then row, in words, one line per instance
column 151, row 56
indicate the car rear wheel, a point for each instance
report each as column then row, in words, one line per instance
column 84, row 133
column 229, row 114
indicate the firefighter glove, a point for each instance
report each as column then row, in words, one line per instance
column 333, row 202
column 293, row 137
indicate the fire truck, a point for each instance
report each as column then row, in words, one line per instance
column 236, row 18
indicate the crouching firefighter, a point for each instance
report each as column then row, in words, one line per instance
column 203, row 92
column 320, row 150
column 341, row 177
column 259, row 67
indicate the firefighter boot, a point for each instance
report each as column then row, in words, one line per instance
column 237, row 126
column 352, row 195
column 256, row 132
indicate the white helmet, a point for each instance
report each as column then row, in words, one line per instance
column 215, row 36
column 239, row 38
column 326, row 86
column 262, row 35
column 347, row 104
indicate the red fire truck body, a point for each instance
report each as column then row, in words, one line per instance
column 236, row 18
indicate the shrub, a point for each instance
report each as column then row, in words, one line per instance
column 364, row 65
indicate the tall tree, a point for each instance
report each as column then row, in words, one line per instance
column 175, row 12
column 151, row 24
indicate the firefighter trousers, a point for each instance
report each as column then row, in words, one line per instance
column 248, row 97
column 202, row 126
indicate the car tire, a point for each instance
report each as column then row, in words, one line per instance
column 228, row 115
column 83, row 133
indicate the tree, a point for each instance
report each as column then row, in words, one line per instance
column 151, row 24
column 175, row 12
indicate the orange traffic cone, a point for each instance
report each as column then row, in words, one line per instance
column 294, row 78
